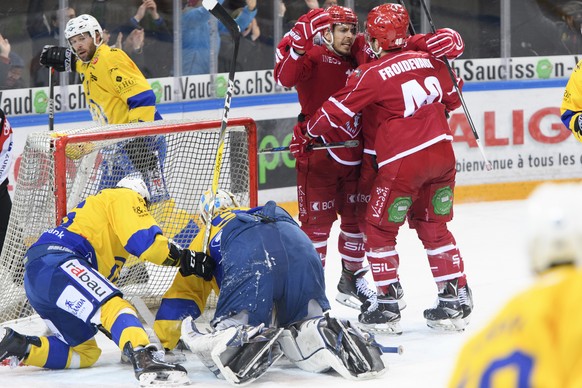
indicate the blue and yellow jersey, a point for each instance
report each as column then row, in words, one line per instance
column 106, row 228
column 115, row 89
column 571, row 108
column 533, row 342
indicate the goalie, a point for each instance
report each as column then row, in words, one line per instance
column 70, row 280
column 272, row 301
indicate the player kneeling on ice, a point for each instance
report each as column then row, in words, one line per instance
column 272, row 301
column 70, row 280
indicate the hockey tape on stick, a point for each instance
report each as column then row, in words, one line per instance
column 325, row 146
column 488, row 165
column 220, row 13
column 51, row 101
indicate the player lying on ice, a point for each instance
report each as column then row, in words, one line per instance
column 272, row 301
column 70, row 280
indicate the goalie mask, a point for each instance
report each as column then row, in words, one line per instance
column 135, row 182
column 554, row 227
column 223, row 200
column 388, row 24
column 82, row 24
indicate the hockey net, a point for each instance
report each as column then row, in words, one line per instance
column 176, row 158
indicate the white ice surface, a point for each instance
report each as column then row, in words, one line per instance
column 490, row 238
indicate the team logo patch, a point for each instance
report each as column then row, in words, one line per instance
column 442, row 201
column 96, row 285
column 75, row 303
column 398, row 209
column 215, row 242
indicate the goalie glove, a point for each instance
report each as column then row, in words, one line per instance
column 307, row 26
column 61, row 58
column 196, row 263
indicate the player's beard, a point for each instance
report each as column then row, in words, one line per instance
column 344, row 47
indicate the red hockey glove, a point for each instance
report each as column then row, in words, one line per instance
column 300, row 143
column 307, row 26
column 445, row 42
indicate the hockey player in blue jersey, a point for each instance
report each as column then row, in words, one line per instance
column 70, row 280
column 271, row 302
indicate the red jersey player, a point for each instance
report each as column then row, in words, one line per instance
column 327, row 181
column 411, row 92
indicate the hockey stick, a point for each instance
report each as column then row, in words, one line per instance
column 411, row 29
column 488, row 165
column 51, row 101
column 339, row 144
column 220, row 13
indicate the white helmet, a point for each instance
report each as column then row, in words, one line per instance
column 555, row 226
column 223, row 200
column 81, row 24
column 135, row 182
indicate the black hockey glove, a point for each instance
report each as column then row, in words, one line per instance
column 578, row 125
column 61, row 58
column 196, row 263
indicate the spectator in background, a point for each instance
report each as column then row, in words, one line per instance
column 571, row 36
column 43, row 29
column 11, row 67
column 6, row 146
column 148, row 36
column 255, row 55
column 196, row 34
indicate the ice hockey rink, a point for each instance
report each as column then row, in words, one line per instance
column 491, row 239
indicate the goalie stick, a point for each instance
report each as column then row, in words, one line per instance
column 488, row 165
column 338, row 144
column 220, row 13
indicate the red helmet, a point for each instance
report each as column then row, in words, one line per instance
column 339, row 14
column 388, row 23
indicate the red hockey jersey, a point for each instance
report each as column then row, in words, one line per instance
column 394, row 89
column 316, row 75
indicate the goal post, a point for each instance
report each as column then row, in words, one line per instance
column 176, row 157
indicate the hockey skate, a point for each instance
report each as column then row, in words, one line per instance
column 150, row 370
column 353, row 288
column 15, row 347
column 453, row 308
column 238, row 354
column 381, row 315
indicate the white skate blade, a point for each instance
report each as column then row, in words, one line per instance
column 348, row 300
column 449, row 325
column 390, row 328
column 354, row 303
column 165, row 379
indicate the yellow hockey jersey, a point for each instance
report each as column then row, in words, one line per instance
column 116, row 90
column 106, row 228
column 571, row 108
column 535, row 341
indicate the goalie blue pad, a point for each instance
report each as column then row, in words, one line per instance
column 320, row 344
column 238, row 354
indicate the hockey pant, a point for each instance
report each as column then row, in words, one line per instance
column 118, row 320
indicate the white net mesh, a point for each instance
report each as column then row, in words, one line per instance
column 177, row 164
